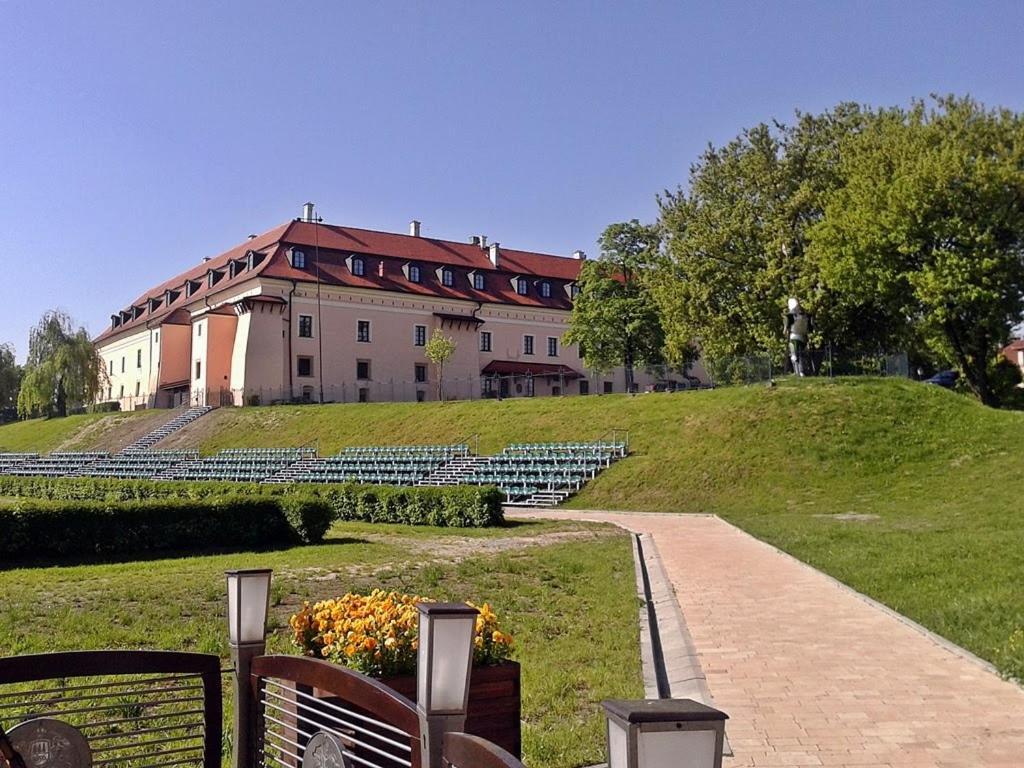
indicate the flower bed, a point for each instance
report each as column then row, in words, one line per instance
column 377, row 634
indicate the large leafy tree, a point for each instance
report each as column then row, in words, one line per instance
column 737, row 238
column 10, row 377
column 928, row 225
column 614, row 318
column 63, row 369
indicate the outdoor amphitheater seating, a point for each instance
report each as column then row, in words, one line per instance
column 524, row 469
column 386, row 465
column 9, row 461
column 59, row 464
column 138, row 465
column 250, row 465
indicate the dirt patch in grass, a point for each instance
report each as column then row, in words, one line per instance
column 851, row 517
column 114, row 432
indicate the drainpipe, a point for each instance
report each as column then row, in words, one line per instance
column 291, row 293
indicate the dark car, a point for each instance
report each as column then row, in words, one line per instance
column 945, row 379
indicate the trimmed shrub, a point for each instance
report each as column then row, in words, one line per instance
column 309, row 517
column 447, row 506
column 33, row 529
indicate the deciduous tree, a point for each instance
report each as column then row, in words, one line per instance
column 929, row 224
column 63, row 368
column 439, row 350
column 614, row 317
column 10, row 377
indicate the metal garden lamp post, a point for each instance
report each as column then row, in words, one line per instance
column 664, row 733
column 248, row 603
column 443, row 662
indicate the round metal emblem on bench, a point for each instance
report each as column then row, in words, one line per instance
column 48, row 743
column 325, row 750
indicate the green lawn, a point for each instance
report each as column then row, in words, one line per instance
column 557, row 588
column 931, row 474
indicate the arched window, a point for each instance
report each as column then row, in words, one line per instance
column 358, row 266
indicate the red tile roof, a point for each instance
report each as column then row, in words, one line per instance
column 336, row 244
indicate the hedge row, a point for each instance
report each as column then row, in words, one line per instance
column 32, row 529
column 446, row 506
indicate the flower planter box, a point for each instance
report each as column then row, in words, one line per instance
column 494, row 703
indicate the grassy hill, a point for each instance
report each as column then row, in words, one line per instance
column 906, row 492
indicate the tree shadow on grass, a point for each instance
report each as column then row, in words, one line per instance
column 122, row 558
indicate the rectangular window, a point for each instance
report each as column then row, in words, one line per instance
column 111, row 367
column 485, row 341
column 584, row 387
column 305, row 365
column 138, row 388
column 552, row 346
column 199, row 330
column 419, row 335
column 358, row 266
column 608, row 387
column 306, row 326
column 527, row 345
column 556, row 391
column 521, row 286
column 364, row 395
column 199, row 370
column 421, row 373
column 363, row 370
column 138, row 358
column 421, row 396
column 122, row 365
column 363, row 330
column 478, row 281
column 122, row 392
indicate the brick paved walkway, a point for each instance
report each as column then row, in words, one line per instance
column 811, row 674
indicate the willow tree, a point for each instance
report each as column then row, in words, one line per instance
column 63, row 369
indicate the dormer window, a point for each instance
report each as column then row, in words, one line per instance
column 171, row 296
column 358, row 266
column 545, row 289
column 479, row 281
column 522, row 286
column 298, row 258
column 213, row 277
column 447, row 277
column 573, row 290
column 191, row 286
column 414, row 273
column 154, row 305
column 136, row 313
column 115, row 320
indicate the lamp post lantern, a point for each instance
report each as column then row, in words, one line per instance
column 248, row 604
column 444, row 658
column 664, row 733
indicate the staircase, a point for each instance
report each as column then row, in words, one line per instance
column 454, row 472
column 147, row 441
column 542, row 499
column 294, row 472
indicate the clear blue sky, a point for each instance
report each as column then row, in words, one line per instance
column 138, row 137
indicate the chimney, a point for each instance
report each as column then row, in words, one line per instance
column 494, row 254
column 474, row 239
column 579, row 255
column 307, row 212
column 414, row 228
column 483, row 241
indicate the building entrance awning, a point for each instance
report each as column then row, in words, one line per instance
column 520, row 368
